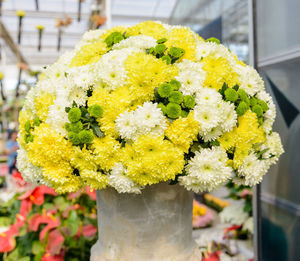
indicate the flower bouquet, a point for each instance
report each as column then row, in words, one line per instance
column 131, row 107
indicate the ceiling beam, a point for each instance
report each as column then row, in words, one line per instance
column 10, row 42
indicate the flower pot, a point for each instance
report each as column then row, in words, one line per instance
column 155, row 225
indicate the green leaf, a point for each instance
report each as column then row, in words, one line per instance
column 97, row 131
column 26, row 258
column 162, row 40
column 213, row 39
column 37, row 247
column 4, row 221
column 67, row 109
column 48, row 206
column 73, row 222
column 61, row 203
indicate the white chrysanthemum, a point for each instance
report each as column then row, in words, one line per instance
column 229, row 116
column 234, row 214
column 270, row 114
column 252, row 169
column 209, row 96
column 57, row 116
column 78, row 95
column 249, row 225
column 90, row 36
column 29, row 101
column 119, row 180
column 205, row 49
column 207, row 170
column 191, row 76
column 208, row 116
column 249, row 79
column 213, row 134
column 145, row 119
column 141, row 42
column 275, row 148
column 126, row 125
column 82, row 76
column 30, row 172
column 111, row 69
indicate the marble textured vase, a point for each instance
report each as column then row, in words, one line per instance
column 155, row 225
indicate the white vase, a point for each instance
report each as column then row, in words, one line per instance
column 155, row 225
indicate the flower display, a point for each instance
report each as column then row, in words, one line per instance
column 134, row 106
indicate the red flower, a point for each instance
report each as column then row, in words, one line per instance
column 212, row 257
column 36, row 196
column 49, row 219
column 48, row 257
column 89, row 230
column 7, row 241
column 55, row 241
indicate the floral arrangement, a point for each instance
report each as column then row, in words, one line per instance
column 40, row 225
column 202, row 215
column 135, row 106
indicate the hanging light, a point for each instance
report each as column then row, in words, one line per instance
column 60, row 23
column 40, row 29
column 37, row 5
column 2, row 87
column 79, row 10
column 21, row 14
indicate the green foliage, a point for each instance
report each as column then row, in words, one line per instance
column 176, row 52
column 76, row 127
column 175, row 85
column 213, row 39
column 73, row 222
column 95, row 111
column 164, row 90
column 27, row 126
column 167, row 59
column 36, row 122
column 258, row 110
column 162, row 40
column 74, row 138
column 184, row 113
column 74, row 114
column 242, row 108
column 173, row 110
column 114, row 38
column 243, row 96
column 176, row 97
column 231, row 95
column 162, row 107
column 159, row 49
column 189, row 101
column 263, row 105
column 86, row 137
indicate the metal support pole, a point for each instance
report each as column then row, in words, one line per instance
column 257, row 190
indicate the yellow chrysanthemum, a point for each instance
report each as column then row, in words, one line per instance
column 85, row 162
column 183, row 131
column 248, row 133
column 218, row 70
column 106, row 152
column 52, row 152
column 228, row 139
column 42, row 103
column 149, row 28
column 183, row 38
column 145, row 72
column 152, row 160
column 90, row 53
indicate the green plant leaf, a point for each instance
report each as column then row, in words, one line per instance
column 37, row 247
column 73, row 222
